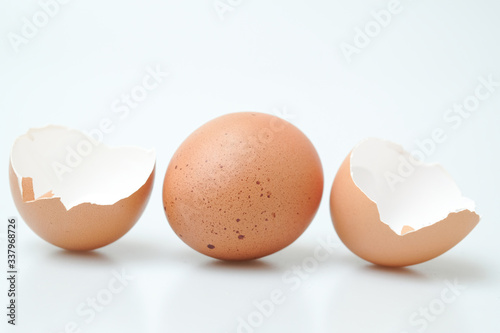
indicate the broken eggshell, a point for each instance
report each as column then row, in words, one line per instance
column 75, row 192
column 392, row 210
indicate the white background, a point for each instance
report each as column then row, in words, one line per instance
column 268, row 56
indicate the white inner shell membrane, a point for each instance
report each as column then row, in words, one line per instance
column 77, row 168
column 407, row 192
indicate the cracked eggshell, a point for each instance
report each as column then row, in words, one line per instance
column 77, row 193
column 391, row 210
column 243, row 186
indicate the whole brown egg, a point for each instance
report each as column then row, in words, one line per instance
column 243, row 186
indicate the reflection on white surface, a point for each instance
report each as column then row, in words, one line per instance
column 233, row 298
column 88, row 292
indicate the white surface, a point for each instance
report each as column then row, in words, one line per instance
column 278, row 57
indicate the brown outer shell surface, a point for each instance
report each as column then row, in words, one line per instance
column 357, row 222
column 85, row 226
column 232, row 197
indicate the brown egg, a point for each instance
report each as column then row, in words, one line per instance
column 392, row 210
column 243, row 186
column 77, row 193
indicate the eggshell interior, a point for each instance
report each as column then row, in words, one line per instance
column 72, row 166
column 409, row 195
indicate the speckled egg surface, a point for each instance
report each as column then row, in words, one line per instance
column 243, row 186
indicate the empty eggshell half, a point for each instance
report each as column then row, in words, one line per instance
column 392, row 210
column 76, row 192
